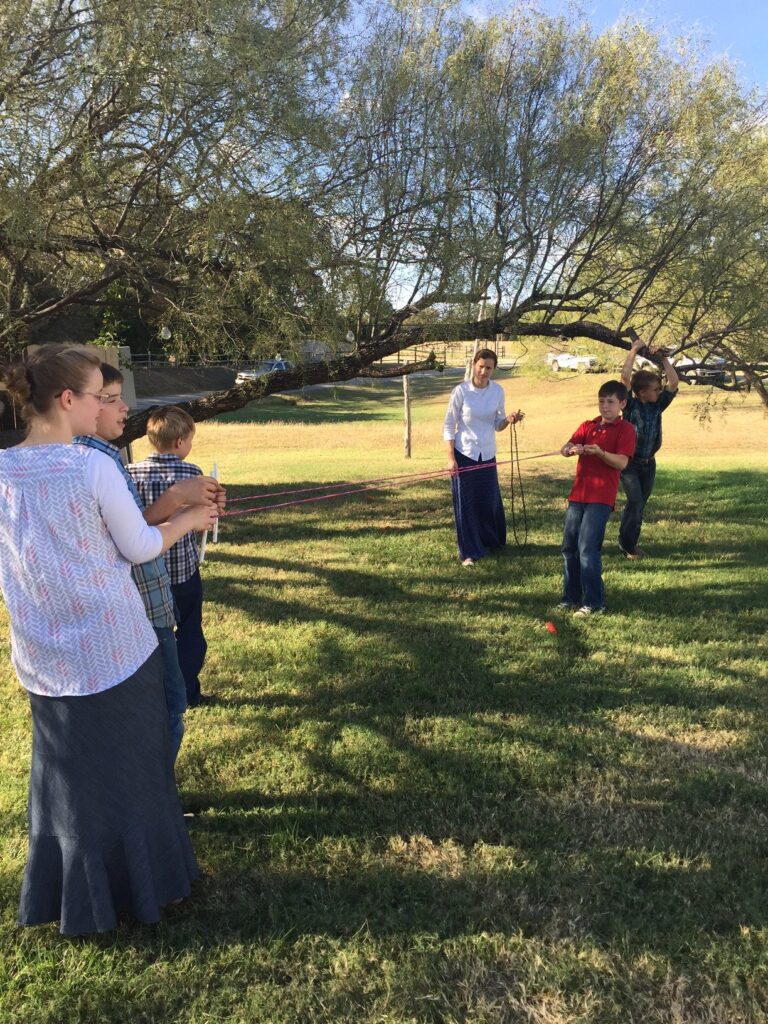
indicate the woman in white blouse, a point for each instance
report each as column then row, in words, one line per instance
column 475, row 413
column 106, row 832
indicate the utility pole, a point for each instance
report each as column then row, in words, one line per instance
column 407, row 415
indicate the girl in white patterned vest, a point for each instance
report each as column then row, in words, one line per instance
column 106, row 832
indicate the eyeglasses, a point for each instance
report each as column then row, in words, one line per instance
column 103, row 399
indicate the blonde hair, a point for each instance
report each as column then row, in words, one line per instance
column 50, row 369
column 165, row 426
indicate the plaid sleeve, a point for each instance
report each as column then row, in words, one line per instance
column 626, row 440
column 665, row 399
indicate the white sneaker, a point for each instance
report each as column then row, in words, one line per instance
column 585, row 611
column 468, row 561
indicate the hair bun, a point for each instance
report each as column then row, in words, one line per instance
column 18, row 382
column 50, row 370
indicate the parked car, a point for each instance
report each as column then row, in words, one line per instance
column 710, row 370
column 263, row 368
column 570, row 361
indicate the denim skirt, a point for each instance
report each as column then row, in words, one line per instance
column 477, row 507
column 106, row 830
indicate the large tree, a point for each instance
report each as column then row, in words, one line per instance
column 259, row 171
column 169, row 148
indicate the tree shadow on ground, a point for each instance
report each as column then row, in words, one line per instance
column 420, row 783
column 494, row 850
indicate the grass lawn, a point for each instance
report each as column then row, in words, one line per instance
column 414, row 803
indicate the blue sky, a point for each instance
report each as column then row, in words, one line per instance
column 735, row 28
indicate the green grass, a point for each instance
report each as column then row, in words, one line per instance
column 415, row 804
column 350, row 402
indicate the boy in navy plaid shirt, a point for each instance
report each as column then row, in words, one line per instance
column 170, row 431
column 643, row 410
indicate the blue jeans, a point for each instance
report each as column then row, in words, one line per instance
column 585, row 524
column 190, row 642
column 637, row 480
column 173, row 684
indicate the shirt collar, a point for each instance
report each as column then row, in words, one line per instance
column 90, row 441
column 163, row 457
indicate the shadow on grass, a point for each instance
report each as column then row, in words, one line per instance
column 565, row 880
column 465, row 847
column 426, row 776
column 400, row 506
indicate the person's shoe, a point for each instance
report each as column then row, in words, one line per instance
column 468, row 561
column 585, row 611
column 202, row 700
column 564, row 606
column 632, row 555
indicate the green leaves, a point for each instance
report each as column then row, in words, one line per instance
column 276, row 170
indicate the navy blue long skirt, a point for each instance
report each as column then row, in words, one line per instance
column 477, row 508
column 106, row 830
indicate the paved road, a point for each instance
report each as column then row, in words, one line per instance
column 355, row 382
column 147, row 403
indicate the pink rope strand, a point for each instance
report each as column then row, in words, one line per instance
column 367, row 485
column 379, row 480
column 325, row 487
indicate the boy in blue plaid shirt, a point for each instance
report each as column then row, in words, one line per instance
column 170, row 432
column 151, row 578
column 644, row 407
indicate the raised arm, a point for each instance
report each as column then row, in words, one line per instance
column 671, row 373
column 629, row 362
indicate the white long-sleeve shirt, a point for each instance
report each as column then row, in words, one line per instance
column 69, row 531
column 472, row 418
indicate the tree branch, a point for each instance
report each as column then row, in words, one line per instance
column 273, row 383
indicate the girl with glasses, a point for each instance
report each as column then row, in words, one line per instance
column 106, row 831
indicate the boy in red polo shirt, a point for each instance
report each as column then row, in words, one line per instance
column 604, row 446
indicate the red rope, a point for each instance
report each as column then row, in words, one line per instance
column 325, row 487
column 367, row 485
